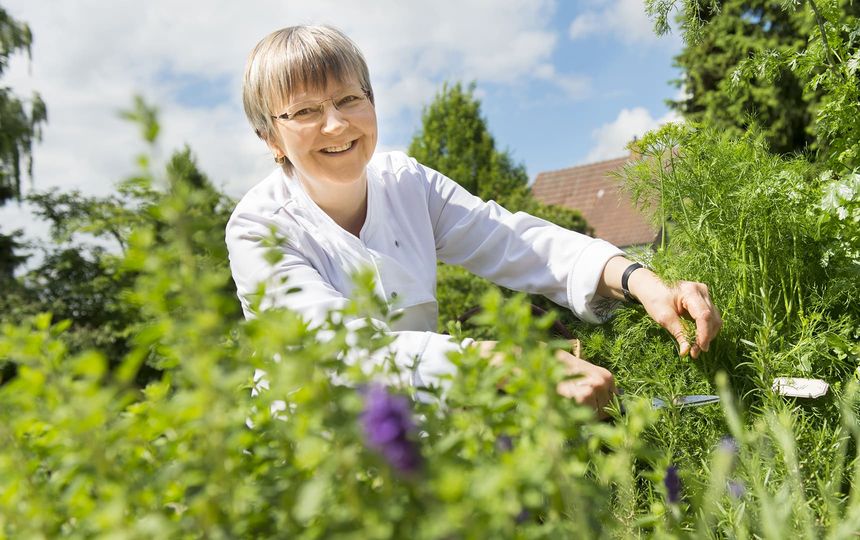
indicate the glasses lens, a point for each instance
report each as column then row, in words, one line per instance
column 353, row 100
column 306, row 112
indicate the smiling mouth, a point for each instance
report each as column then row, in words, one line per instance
column 338, row 149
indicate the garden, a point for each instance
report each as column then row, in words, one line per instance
column 133, row 402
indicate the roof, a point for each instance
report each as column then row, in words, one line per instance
column 595, row 192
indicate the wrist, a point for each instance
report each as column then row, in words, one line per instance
column 625, row 282
column 644, row 284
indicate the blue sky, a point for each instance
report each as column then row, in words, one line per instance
column 562, row 83
column 624, row 76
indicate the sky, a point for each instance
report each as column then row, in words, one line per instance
column 561, row 82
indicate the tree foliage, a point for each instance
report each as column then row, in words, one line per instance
column 776, row 94
column 20, row 127
column 21, row 121
column 454, row 139
column 87, row 284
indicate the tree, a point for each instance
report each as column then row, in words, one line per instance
column 19, row 128
column 454, row 140
column 20, row 123
column 91, row 287
column 727, row 35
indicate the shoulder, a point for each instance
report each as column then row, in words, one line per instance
column 263, row 206
column 267, row 197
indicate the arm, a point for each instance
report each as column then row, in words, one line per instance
column 518, row 251
column 422, row 354
column 666, row 304
column 532, row 255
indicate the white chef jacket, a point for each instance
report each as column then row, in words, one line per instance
column 415, row 215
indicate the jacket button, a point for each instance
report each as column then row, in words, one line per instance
column 396, row 243
column 394, row 294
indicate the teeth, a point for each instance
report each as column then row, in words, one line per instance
column 332, row 149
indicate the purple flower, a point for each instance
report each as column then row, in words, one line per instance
column 388, row 428
column 729, row 445
column 504, row 443
column 673, row 484
column 736, row 488
column 523, row 516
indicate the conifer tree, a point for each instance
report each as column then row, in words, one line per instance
column 732, row 32
column 454, row 140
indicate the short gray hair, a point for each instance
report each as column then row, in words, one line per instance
column 293, row 59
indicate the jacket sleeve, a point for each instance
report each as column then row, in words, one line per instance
column 293, row 283
column 518, row 251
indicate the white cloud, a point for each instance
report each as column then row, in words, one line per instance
column 624, row 19
column 575, row 86
column 611, row 139
column 90, row 57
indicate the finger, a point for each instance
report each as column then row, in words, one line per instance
column 602, row 385
column 697, row 303
column 579, row 391
column 571, row 389
column 672, row 322
column 602, row 398
column 572, row 364
column 575, row 347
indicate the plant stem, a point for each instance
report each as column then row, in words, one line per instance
column 820, row 20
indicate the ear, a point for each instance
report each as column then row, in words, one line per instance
column 274, row 144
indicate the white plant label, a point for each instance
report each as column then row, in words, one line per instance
column 797, row 387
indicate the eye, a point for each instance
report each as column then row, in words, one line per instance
column 350, row 99
column 307, row 111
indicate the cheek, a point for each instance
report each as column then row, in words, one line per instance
column 371, row 130
column 291, row 146
column 275, row 143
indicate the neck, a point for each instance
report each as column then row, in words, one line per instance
column 345, row 203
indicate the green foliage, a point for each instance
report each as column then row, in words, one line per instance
column 20, row 127
column 90, row 448
column 764, row 63
column 89, row 285
column 21, row 123
column 454, row 140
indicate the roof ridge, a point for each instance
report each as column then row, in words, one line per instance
column 584, row 165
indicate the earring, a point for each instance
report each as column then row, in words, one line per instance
column 280, row 160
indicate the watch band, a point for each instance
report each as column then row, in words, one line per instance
column 626, row 276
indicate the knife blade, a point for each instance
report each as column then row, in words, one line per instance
column 696, row 400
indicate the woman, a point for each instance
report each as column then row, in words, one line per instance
column 340, row 207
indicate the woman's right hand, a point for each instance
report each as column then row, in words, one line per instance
column 589, row 384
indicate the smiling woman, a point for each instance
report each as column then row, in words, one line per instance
column 340, row 207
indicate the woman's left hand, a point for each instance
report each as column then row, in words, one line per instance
column 667, row 305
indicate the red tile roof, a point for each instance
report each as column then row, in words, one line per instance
column 593, row 191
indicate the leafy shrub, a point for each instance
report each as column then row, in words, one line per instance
column 87, row 452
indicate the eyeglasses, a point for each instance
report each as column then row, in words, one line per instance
column 307, row 113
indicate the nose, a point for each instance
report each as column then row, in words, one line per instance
column 333, row 120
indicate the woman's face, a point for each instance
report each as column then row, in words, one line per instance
column 336, row 147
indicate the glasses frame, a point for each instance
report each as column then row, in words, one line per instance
column 291, row 118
